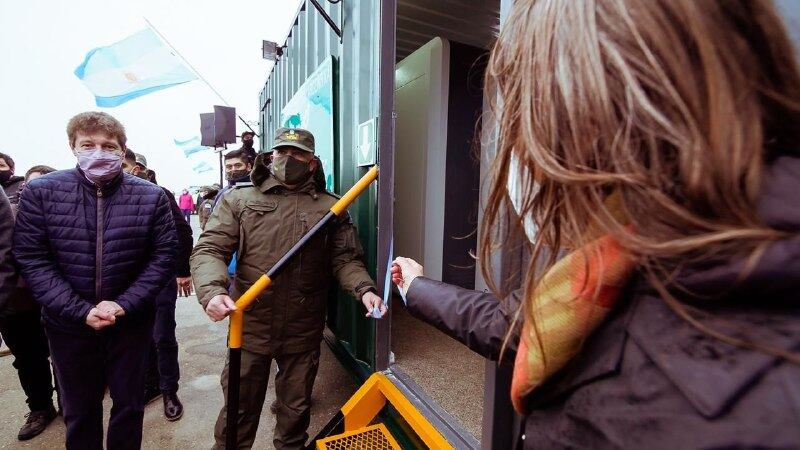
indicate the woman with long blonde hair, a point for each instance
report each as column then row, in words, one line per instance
column 656, row 144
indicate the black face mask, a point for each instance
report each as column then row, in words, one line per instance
column 233, row 175
column 290, row 171
column 248, row 144
column 5, row 175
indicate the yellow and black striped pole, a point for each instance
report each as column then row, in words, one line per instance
column 237, row 316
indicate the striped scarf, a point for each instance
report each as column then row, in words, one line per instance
column 573, row 298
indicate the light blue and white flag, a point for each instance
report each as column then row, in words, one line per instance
column 133, row 67
column 190, row 146
column 202, row 167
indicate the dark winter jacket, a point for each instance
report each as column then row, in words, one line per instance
column 12, row 188
column 185, row 240
column 648, row 379
column 77, row 244
column 8, row 274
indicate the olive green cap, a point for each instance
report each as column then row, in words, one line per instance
column 141, row 160
column 294, row 137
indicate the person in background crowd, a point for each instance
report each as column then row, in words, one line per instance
column 247, row 145
column 286, row 324
column 207, row 204
column 11, row 183
column 8, row 274
column 163, row 371
column 657, row 141
column 151, row 176
column 237, row 172
column 36, row 172
column 96, row 246
column 186, row 203
column 21, row 326
column 197, row 201
column 139, row 168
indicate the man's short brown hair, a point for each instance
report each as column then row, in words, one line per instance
column 130, row 156
column 240, row 154
column 93, row 122
column 44, row 170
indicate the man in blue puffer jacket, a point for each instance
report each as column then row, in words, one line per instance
column 96, row 246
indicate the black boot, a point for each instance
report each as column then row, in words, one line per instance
column 36, row 422
column 173, row 408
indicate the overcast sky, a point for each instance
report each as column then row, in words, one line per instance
column 42, row 42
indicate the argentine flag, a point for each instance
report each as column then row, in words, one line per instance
column 202, row 167
column 135, row 66
column 190, row 146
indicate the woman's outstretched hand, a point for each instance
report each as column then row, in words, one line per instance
column 404, row 270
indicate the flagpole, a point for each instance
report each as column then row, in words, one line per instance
column 197, row 72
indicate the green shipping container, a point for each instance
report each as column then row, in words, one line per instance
column 337, row 76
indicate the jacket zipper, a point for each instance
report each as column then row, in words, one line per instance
column 99, row 248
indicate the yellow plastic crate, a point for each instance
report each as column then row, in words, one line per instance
column 374, row 437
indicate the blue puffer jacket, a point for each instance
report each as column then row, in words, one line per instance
column 71, row 263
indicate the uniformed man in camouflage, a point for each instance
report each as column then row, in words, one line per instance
column 261, row 222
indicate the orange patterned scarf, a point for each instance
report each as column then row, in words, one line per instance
column 574, row 297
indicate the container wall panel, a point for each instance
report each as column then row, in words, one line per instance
column 356, row 57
